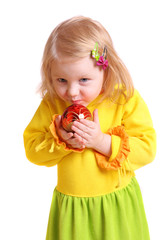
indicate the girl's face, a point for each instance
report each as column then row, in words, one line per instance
column 77, row 82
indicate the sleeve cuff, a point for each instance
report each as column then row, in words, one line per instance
column 115, row 146
column 57, row 139
column 120, row 150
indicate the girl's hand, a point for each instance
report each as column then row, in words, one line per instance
column 92, row 135
column 68, row 137
column 89, row 130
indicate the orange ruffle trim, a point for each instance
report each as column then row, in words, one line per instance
column 122, row 155
column 57, row 139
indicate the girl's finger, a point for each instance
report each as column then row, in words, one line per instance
column 79, row 138
column 63, row 134
column 57, row 121
column 76, row 142
column 81, row 133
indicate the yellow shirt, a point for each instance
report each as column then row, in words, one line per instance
column 79, row 173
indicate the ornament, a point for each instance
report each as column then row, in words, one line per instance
column 75, row 112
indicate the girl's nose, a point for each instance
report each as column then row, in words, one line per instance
column 73, row 91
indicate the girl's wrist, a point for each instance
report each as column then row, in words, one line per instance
column 104, row 145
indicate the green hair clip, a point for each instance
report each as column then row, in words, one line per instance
column 101, row 60
column 95, row 52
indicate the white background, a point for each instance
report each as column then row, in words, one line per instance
column 137, row 30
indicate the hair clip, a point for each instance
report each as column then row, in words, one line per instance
column 95, row 52
column 101, row 60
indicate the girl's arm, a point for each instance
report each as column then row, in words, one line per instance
column 40, row 145
column 142, row 136
column 133, row 144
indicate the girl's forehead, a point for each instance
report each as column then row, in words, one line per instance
column 70, row 66
column 72, row 63
column 63, row 59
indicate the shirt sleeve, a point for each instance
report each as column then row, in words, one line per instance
column 134, row 142
column 142, row 136
column 40, row 145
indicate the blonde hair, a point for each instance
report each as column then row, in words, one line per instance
column 76, row 38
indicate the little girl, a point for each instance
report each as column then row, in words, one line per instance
column 97, row 195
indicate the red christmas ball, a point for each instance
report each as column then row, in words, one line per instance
column 75, row 112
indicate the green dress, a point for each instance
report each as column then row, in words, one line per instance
column 116, row 216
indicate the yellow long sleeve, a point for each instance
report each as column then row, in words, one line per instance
column 37, row 134
column 142, row 137
column 136, row 120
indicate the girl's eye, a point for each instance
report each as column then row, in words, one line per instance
column 62, row 80
column 84, row 80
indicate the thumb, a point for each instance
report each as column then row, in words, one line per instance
column 57, row 121
column 95, row 116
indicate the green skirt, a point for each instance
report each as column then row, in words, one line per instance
column 116, row 216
